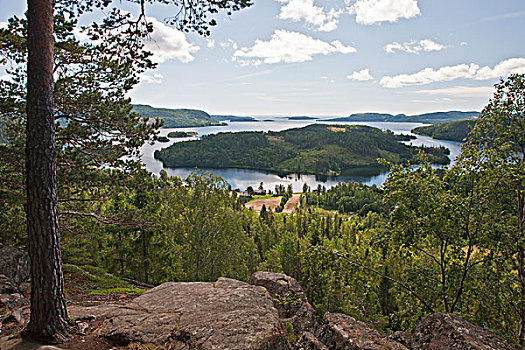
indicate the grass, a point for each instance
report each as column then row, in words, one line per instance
column 95, row 281
column 267, row 196
column 108, row 291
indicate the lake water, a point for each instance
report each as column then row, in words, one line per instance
column 242, row 178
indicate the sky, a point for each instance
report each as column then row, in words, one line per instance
column 333, row 57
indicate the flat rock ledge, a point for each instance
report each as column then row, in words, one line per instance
column 226, row 314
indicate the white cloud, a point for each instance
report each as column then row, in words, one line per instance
column 297, row 10
column 448, row 73
column 415, row 46
column 460, row 91
column 151, row 79
column 376, row 11
column 362, row 75
column 211, row 43
column 168, row 43
column 229, row 43
column 504, row 68
column 288, row 47
column 429, row 75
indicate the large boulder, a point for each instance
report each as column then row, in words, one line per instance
column 14, row 270
column 342, row 332
column 309, row 342
column 285, row 290
column 14, row 264
column 448, row 331
column 227, row 314
column 288, row 298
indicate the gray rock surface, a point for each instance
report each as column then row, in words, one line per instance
column 287, row 293
column 309, row 342
column 10, row 299
column 227, row 314
column 448, row 331
column 342, row 332
column 289, row 299
column 14, row 264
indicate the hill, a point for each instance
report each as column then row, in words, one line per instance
column 233, row 118
column 177, row 118
column 314, row 149
column 430, row 118
column 455, row 131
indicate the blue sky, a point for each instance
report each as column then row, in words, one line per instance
column 335, row 57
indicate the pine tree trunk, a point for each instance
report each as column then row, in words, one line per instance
column 48, row 308
column 521, row 272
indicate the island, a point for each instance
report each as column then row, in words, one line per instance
column 302, row 118
column 313, row 149
column 454, row 131
column 233, row 118
column 428, row 118
column 181, row 134
column 177, row 118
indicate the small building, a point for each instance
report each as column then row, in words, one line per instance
column 259, row 192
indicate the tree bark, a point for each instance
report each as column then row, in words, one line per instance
column 48, row 320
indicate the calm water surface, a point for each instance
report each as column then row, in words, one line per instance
column 242, row 178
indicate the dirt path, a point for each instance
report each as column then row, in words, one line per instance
column 271, row 204
column 291, row 205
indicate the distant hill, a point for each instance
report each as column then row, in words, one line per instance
column 233, row 118
column 429, row 118
column 177, row 118
column 302, row 118
column 314, row 149
column 455, row 131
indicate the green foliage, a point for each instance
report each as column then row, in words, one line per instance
column 90, row 278
column 314, row 149
column 350, row 197
column 455, row 131
column 493, row 158
column 128, row 291
column 176, row 118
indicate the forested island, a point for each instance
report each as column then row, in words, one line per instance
column 454, row 131
column 233, row 118
column 429, row 118
column 181, row 134
column 177, row 118
column 314, row 149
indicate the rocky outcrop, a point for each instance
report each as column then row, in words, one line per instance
column 270, row 313
column 448, row 331
column 309, row 342
column 287, row 294
column 289, row 299
column 14, row 264
column 342, row 332
column 227, row 314
column 14, row 274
